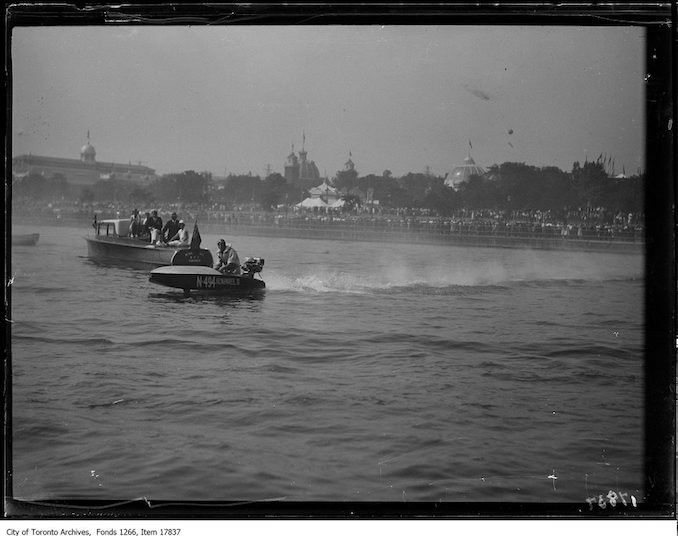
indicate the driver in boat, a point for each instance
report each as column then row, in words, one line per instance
column 228, row 261
column 181, row 238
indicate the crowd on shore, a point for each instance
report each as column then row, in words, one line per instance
column 586, row 224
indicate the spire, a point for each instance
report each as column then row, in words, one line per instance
column 303, row 139
column 87, row 152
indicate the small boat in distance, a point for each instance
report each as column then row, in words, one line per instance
column 25, row 239
column 111, row 243
column 187, row 274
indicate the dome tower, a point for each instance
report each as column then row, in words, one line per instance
column 88, row 153
column 463, row 173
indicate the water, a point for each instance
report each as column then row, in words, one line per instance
column 375, row 372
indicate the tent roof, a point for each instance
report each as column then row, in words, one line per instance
column 312, row 202
column 323, row 188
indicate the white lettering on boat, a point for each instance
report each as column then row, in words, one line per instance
column 211, row 281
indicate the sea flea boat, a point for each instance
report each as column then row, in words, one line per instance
column 191, row 270
column 25, row 239
column 111, row 243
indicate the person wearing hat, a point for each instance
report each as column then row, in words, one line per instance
column 181, row 236
column 154, row 225
column 135, row 224
column 145, row 226
column 171, row 227
column 228, row 261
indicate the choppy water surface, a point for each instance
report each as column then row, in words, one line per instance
column 379, row 372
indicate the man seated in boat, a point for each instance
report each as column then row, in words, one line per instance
column 145, row 232
column 227, row 261
column 181, row 237
column 170, row 228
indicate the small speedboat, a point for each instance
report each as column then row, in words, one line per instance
column 191, row 270
column 25, row 239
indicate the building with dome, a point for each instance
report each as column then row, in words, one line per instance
column 88, row 153
column 463, row 173
column 349, row 165
column 301, row 171
column 82, row 172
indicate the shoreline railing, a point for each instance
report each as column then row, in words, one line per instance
column 470, row 233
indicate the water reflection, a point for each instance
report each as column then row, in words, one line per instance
column 127, row 265
column 216, row 297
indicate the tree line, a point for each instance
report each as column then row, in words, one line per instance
column 509, row 186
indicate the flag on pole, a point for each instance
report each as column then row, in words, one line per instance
column 196, row 240
column 469, row 144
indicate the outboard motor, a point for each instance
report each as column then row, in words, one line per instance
column 252, row 265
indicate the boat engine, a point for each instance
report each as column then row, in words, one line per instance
column 252, row 265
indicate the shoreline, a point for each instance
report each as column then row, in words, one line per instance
column 364, row 233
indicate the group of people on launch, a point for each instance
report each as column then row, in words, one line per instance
column 173, row 233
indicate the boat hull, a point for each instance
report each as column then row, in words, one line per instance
column 25, row 239
column 204, row 279
column 128, row 251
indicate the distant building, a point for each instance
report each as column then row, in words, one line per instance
column 299, row 170
column 81, row 172
column 463, row 173
column 349, row 165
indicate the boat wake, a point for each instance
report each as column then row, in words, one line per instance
column 441, row 281
column 319, row 282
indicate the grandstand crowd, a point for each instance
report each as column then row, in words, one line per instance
column 582, row 223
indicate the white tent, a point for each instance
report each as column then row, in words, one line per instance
column 312, row 202
column 323, row 189
column 338, row 203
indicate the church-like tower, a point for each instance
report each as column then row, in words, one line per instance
column 349, row 165
column 88, row 153
column 292, row 167
column 300, row 170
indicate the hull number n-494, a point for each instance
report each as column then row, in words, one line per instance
column 211, row 281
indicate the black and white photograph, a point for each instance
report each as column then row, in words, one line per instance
column 324, row 264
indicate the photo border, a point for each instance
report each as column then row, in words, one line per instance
column 660, row 273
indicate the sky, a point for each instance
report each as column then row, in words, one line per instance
column 234, row 99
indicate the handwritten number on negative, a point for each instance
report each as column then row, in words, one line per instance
column 612, row 498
